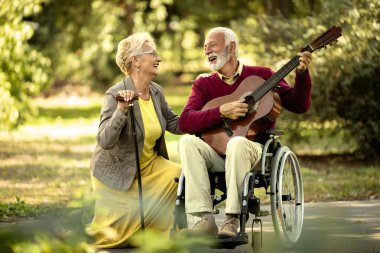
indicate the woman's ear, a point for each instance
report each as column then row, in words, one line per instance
column 135, row 61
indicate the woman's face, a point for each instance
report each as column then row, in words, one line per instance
column 149, row 59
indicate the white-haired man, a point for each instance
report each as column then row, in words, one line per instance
column 197, row 157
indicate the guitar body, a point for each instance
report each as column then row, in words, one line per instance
column 267, row 108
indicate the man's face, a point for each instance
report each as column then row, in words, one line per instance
column 216, row 51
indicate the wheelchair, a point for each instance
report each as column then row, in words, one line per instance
column 280, row 176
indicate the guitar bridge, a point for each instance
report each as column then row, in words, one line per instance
column 227, row 128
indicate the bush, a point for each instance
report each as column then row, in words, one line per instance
column 23, row 70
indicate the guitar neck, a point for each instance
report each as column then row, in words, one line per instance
column 274, row 79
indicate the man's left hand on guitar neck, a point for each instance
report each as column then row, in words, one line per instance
column 305, row 60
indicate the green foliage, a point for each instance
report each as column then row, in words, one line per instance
column 19, row 208
column 23, row 70
column 49, row 234
column 154, row 242
column 80, row 38
column 75, row 42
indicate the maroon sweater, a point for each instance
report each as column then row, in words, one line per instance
column 296, row 99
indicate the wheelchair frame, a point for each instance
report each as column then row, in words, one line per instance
column 279, row 171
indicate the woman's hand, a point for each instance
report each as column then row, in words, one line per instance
column 128, row 97
column 305, row 59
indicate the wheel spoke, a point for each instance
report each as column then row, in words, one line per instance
column 288, row 198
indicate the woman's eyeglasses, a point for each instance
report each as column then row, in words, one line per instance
column 152, row 53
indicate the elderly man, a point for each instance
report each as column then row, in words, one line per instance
column 242, row 154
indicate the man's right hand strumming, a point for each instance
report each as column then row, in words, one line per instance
column 234, row 110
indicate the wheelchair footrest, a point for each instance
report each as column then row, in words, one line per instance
column 230, row 243
column 263, row 213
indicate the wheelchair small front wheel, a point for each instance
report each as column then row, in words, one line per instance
column 287, row 200
column 256, row 242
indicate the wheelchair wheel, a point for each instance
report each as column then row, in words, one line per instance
column 287, row 201
column 256, row 242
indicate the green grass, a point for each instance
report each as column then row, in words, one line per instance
column 18, row 208
column 44, row 163
column 43, row 172
column 341, row 183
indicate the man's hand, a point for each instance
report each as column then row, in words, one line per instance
column 233, row 110
column 305, row 59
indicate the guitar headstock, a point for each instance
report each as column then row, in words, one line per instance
column 324, row 39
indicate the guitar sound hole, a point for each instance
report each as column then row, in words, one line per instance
column 253, row 107
column 249, row 100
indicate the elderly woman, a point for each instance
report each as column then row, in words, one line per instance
column 113, row 165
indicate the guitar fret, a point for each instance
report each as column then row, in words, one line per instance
column 273, row 80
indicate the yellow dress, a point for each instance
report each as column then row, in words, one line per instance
column 117, row 217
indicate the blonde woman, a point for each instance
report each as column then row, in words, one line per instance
column 113, row 165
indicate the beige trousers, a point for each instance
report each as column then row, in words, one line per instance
column 197, row 158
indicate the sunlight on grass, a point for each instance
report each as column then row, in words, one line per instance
column 43, row 171
column 43, row 165
column 172, row 146
column 341, row 183
column 54, row 131
column 70, row 100
column 59, row 130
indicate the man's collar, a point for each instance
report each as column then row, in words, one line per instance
column 233, row 78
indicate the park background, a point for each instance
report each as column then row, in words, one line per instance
column 57, row 60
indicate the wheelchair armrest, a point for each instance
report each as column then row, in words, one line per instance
column 274, row 132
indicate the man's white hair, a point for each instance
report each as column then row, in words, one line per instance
column 229, row 36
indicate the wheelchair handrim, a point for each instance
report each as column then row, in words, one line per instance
column 291, row 210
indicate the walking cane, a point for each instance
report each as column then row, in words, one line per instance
column 135, row 97
column 138, row 167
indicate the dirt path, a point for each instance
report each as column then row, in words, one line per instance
column 348, row 227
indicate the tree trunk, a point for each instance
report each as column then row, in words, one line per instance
column 128, row 15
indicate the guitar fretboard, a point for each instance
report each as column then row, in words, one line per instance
column 269, row 84
column 273, row 80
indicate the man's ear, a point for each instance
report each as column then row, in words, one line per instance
column 233, row 47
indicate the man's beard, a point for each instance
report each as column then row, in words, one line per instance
column 221, row 59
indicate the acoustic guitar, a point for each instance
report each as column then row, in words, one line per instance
column 263, row 103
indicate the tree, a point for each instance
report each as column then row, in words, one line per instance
column 23, row 70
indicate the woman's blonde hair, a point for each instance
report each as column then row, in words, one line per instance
column 129, row 47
